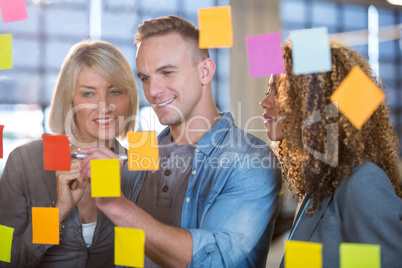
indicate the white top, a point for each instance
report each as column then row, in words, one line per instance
column 88, row 230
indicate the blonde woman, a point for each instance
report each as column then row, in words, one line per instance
column 94, row 102
column 351, row 194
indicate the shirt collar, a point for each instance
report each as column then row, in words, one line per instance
column 206, row 144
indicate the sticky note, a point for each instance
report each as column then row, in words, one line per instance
column 56, row 152
column 13, row 10
column 300, row 254
column 359, row 255
column 129, row 247
column 6, row 240
column 143, row 153
column 105, row 178
column 311, row 51
column 6, row 55
column 215, row 26
column 265, row 55
column 45, row 225
column 357, row 97
column 1, row 141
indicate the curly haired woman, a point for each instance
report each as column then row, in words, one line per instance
column 347, row 177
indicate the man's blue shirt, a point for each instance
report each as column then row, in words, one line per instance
column 232, row 197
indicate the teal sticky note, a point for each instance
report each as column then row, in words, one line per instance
column 6, row 239
column 359, row 255
column 311, row 51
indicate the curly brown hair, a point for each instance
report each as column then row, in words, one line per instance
column 302, row 97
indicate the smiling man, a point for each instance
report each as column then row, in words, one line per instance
column 212, row 203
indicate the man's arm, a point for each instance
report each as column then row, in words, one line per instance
column 165, row 245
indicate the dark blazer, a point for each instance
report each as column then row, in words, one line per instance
column 363, row 209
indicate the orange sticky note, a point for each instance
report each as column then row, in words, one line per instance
column 1, row 141
column 6, row 49
column 6, row 241
column 45, row 225
column 359, row 255
column 56, row 152
column 105, row 178
column 215, row 27
column 144, row 152
column 357, row 97
column 300, row 254
column 13, row 10
column 129, row 247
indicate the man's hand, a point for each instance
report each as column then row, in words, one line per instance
column 96, row 153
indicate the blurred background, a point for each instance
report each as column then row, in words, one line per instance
column 41, row 42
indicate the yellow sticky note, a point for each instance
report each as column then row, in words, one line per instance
column 6, row 57
column 6, row 240
column 357, row 97
column 105, row 178
column 215, row 27
column 359, row 255
column 45, row 225
column 300, row 254
column 129, row 247
column 144, row 152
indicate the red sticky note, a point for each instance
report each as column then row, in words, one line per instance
column 265, row 55
column 1, row 141
column 56, row 152
column 13, row 10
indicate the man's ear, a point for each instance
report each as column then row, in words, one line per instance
column 207, row 70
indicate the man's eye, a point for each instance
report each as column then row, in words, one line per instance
column 144, row 79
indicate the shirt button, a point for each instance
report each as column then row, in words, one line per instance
column 197, row 150
column 167, row 172
column 187, row 199
column 194, row 172
column 165, row 189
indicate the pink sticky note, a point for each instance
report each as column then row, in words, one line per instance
column 13, row 10
column 265, row 55
column 1, row 141
column 56, row 152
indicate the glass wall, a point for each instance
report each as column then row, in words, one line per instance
column 41, row 42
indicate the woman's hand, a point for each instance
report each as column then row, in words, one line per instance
column 70, row 188
column 96, row 153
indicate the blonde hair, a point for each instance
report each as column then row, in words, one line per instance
column 107, row 61
column 172, row 24
column 300, row 96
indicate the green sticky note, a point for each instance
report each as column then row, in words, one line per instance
column 6, row 57
column 359, row 255
column 300, row 254
column 6, row 240
column 129, row 247
column 105, row 178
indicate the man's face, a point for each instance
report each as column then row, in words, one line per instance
column 171, row 81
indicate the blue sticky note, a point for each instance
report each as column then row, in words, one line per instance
column 311, row 51
column 265, row 55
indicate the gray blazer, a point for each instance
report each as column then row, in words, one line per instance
column 363, row 209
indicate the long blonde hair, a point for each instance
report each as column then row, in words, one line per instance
column 106, row 60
